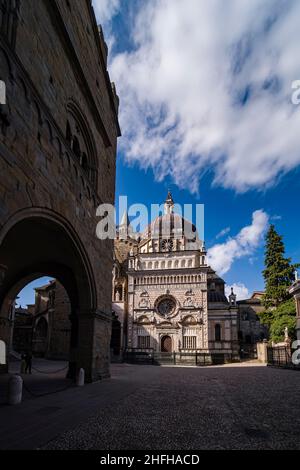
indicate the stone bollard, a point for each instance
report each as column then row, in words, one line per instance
column 15, row 388
column 80, row 378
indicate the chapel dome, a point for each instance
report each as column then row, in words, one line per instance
column 170, row 225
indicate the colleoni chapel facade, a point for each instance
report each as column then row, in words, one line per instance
column 166, row 298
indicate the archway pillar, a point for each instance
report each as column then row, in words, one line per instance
column 94, row 332
column 6, row 328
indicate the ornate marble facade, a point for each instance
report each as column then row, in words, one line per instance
column 166, row 296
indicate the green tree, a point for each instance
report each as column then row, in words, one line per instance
column 279, row 275
column 279, row 272
column 282, row 316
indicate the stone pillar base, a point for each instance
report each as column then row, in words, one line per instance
column 262, row 353
column 93, row 354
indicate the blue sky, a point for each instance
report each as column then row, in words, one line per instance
column 205, row 110
column 224, row 208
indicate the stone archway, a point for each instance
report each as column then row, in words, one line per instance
column 42, row 244
column 166, row 344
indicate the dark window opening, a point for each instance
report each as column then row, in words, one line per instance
column 68, row 133
column 217, row 332
column 84, row 163
column 248, row 339
column 76, row 147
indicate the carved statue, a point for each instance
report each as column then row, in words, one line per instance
column 286, row 334
column 189, row 293
column 188, row 302
column 138, row 264
column 144, row 303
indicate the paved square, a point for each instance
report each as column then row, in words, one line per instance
column 231, row 407
column 243, row 406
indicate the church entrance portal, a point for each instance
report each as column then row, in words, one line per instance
column 166, row 344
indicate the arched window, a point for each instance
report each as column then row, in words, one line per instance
column 217, row 332
column 76, row 147
column 82, row 141
column 68, row 133
column 84, row 162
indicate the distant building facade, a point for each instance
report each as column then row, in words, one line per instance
column 45, row 327
column 250, row 329
column 23, row 328
column 166, row 297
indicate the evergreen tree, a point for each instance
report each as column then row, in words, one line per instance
column 282, row 316
column 279, row 272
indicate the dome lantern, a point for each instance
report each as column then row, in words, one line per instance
column 169, row 204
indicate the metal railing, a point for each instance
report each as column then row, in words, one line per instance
column 183, row 357
column 279, row 356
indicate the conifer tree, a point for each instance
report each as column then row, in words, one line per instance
column 279, row 272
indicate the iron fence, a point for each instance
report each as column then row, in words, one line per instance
column 197, row 358
column 279, row 356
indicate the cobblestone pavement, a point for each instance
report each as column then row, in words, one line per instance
column 47, row 377
column 165, row 408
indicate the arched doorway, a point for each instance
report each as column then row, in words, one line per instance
column 43, row 244
column 166, row 344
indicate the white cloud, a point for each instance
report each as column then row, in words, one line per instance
column 239, row 289
column 222, row 256
column 223, row 232
column 182, row 85
column 105, row 9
